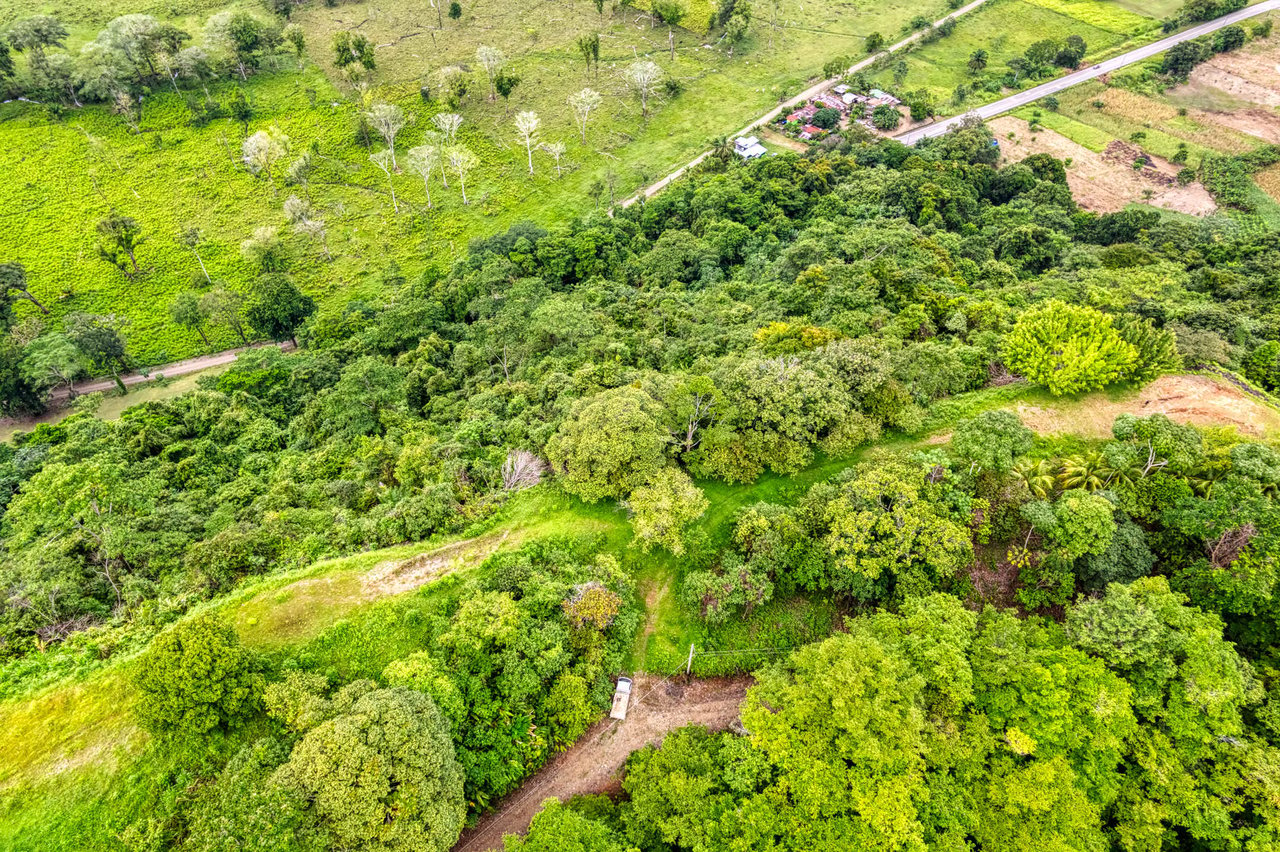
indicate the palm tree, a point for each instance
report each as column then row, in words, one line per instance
column 1037, row 475
column 1087, row 471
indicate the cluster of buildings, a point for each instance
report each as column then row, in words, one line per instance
column 840, row 98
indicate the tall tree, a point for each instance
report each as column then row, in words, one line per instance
column 188, row 311
column 276, row 307
column 462, row 161
column 387, row 119
column 120, row 237
column 642, row 77
column 191, row 238
column 583, row 103
column 34, row 35
column 385, row 161
column 491, row 59
column 527, row 126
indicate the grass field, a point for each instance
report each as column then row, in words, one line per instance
column 1005, row 29
column 67, row 173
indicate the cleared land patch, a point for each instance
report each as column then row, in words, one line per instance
column 1103, row 182
column 1197, row 399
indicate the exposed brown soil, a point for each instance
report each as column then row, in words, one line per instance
column 594, row 764
column 394, row 577
column 1199, row 400
column 1260, row 123
column 1104, row 183
column 1248, row 75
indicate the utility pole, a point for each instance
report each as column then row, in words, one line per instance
column 688, row 667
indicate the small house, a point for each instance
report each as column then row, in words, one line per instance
column 810, row 130
column 842, row 89
column 748, row 147
column 830, row 102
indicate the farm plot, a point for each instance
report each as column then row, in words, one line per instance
column 1106, row 181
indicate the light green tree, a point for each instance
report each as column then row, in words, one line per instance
column 992, row 441
column 1068, row 348
column 194, row 677
column 663, row 508
column 381, row 775
column 609, row 445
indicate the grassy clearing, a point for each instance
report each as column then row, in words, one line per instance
column 1101, row 14
column 1082, row 134
column 1152, row 8
column 66, row 174
column 1005, row 29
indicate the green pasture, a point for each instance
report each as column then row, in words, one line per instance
column 67, row 172
column 1005, row 29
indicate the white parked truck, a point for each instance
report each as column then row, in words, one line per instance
column 621, row 695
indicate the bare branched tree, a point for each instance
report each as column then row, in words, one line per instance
column 642, row 77
column 387, row 119
column 491, row 60
column 386, row 162
column 583, row 104
column 527, row 126
column 521, row 470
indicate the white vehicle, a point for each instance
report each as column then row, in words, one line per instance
column 621, row 695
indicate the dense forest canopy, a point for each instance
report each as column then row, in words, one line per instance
column 1119, row 690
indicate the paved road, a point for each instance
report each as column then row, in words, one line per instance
column 813, row 91
column 1053, row 86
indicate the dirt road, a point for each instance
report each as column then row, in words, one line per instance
column 1003, row 105
column 171, row 371
column 594, row 764
column 814, row 90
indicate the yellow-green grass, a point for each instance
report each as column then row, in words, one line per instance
column 1124, row 113
column 1104, row 14
column 1005, row 29
column 697, row 15
column 66, row 174
column 1152, row 8
column 1077, row 131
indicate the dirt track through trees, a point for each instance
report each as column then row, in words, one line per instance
column 594, row 764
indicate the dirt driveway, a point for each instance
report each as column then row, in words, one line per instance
column 594, row 763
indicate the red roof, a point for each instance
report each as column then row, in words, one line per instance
column 810, row 129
